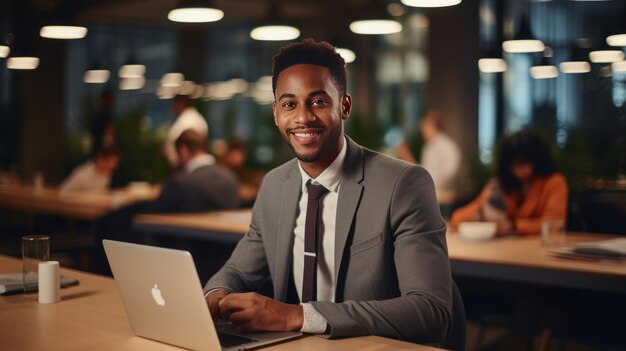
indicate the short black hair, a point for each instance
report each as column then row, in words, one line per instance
column 525, row 145
column 309, row 51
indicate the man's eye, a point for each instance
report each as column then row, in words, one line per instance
column 289, row 104
column 319, row 102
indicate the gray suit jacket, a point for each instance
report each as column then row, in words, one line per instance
column 391, row 260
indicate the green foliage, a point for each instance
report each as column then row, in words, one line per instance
column 140, row 149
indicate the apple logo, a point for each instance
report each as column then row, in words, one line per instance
column 156, row 295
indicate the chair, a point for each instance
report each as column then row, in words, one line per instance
column 455, row 338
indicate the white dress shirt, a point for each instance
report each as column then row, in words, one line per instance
column 442, row 159
column 326, row 284
column 86, row 177
column 199, row 161
column 190, row 118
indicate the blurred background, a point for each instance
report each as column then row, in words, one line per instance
column 572, row 87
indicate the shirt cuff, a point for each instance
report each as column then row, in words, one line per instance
column 214, row 290
column 314, row 322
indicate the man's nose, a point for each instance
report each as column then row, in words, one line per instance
column 304, row 114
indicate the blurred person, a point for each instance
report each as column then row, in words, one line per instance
column 370, row 259
column 234, row 157
column 202, row 185
column 187, row 117
column 103, row 129
column 440, row 156
column 527, row 189
column 93, row 175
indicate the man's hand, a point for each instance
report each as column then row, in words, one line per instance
column 213, row 300
column 252, row 311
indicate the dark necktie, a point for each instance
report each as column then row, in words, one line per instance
column 309, row 286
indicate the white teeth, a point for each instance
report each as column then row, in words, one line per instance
column 305, row 134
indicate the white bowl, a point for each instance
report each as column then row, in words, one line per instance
column 477, row 230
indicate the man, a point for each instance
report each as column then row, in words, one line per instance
column 440, row 156
column 93, row 175
column 381, row 259
column 187, row 117
column 202, row 186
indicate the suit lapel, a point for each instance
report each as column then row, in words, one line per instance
column 349, row 197
column 289, row 197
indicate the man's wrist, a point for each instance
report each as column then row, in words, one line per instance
column 206, row 294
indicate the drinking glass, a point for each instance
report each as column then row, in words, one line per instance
column 552, row 233
column 35, row 249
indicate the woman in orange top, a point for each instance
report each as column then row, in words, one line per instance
column 528, row 189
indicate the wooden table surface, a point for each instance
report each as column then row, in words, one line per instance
column 519, row 258
column 91, row 316
column 78, row 205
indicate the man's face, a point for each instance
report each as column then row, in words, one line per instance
column 309, row 112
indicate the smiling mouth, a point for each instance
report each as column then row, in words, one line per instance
column 306, row 135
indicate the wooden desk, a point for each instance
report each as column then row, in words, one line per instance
column 520, row 259
column 218, row 226
column 76, row 205
column 91, row 316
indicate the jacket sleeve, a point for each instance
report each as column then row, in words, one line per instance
column 246, row 269
column 422, row 311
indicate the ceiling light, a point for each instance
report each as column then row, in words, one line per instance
column 431, row 3
column 347, row 54
column 544, row 72
column 165, row 93
column 275, row 33
column 375, row 26
column 172, row 80
column 492, row 65
column 195, row 11
column 132, row 83
column 23, row 62
column 606, row 56
column 616, row 40
column 96, row 76
column 619, row 66
column 187, row 88
column 575, row 67
column 63, row 32
column 523, row 46
column 523, row 41
column 4, row 51
column 132, row 71
column 62, row 25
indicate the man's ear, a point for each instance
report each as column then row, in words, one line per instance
column 274, row 111
column 346, row 106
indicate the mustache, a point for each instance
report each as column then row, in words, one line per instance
column 295, row 129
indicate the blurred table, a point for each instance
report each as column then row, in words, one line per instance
column 91, row 316
column 523, row 259
column 514, row 258
column 75, row 205
column 220, row 226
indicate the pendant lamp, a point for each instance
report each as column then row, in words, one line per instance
column 523, row 41
column 273, row 27
column 375, row 20
column 195, row 11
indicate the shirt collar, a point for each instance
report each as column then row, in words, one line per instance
column 199, row 161
column 331, row 176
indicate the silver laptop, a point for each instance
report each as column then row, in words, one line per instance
column 164, row 300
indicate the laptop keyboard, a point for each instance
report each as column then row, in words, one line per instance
column 229, row 340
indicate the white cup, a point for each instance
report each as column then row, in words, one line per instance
column 49, row 282
column 552, row 233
